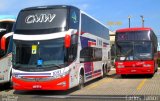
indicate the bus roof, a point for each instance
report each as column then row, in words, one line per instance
column 60, row 6
column 49, row 7
column 7, row 18
column 133, row 29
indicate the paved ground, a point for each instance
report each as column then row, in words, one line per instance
column 112, row 86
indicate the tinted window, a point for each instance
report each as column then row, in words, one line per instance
column 89, row 54
column 7, row 26
column 93, row 27
column 133, row 35
column 134, row 50
column 46, row 19
column 142, row 50
column 74, row 19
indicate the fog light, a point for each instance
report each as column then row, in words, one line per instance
column 147, row 65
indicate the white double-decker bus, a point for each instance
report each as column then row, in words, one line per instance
column 6, row 24
column 58, row 48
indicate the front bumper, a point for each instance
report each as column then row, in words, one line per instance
column 137, row 70
column 56, row 84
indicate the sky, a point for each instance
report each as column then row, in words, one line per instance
column 103, row 10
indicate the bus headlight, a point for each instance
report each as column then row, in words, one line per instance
column 16, row 76
column 147, row 65
column 120, row 66
column 62, row 74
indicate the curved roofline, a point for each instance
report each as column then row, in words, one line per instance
column 133, row 29
column 7, row 18
column 49, row 7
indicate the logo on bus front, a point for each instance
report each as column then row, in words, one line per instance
column 41, row 18
column 74, row 17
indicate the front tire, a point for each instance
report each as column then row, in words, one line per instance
column 103, row 73
column 156, row 69
column 81, row 81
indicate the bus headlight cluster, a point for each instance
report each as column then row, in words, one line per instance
column 120, row 66
column 62, row 74
column 16, row 76
column 147, row 65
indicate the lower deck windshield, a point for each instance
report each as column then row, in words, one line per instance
column 48, row 54
column 134, row 51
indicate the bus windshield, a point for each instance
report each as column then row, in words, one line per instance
column 142, row 50
column 134, row 50
column 48, row 54
column 41, row 21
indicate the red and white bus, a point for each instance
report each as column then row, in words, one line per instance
column 58, row 48
column 6, row 24
column 136, row 51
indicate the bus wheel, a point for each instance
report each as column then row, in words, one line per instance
column 81, row 81
column 156, row 69
column 103, row 72
column 11, row 82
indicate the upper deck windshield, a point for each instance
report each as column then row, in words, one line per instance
column 41, row 21
column 133, row 35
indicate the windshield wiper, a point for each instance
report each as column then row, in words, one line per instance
column 125, row 55
column 54, row 65
column 16, row 66
column 57, row 65
column 128, row 53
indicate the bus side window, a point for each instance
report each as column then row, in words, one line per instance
column 90, row 54
column 86, row 54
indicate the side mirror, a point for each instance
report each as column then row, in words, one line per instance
column 67, row 41
column 3, row 44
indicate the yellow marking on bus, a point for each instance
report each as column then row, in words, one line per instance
column 139, row 87
column 99, row 83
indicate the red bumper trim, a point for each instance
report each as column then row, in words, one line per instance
column 57, row 84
